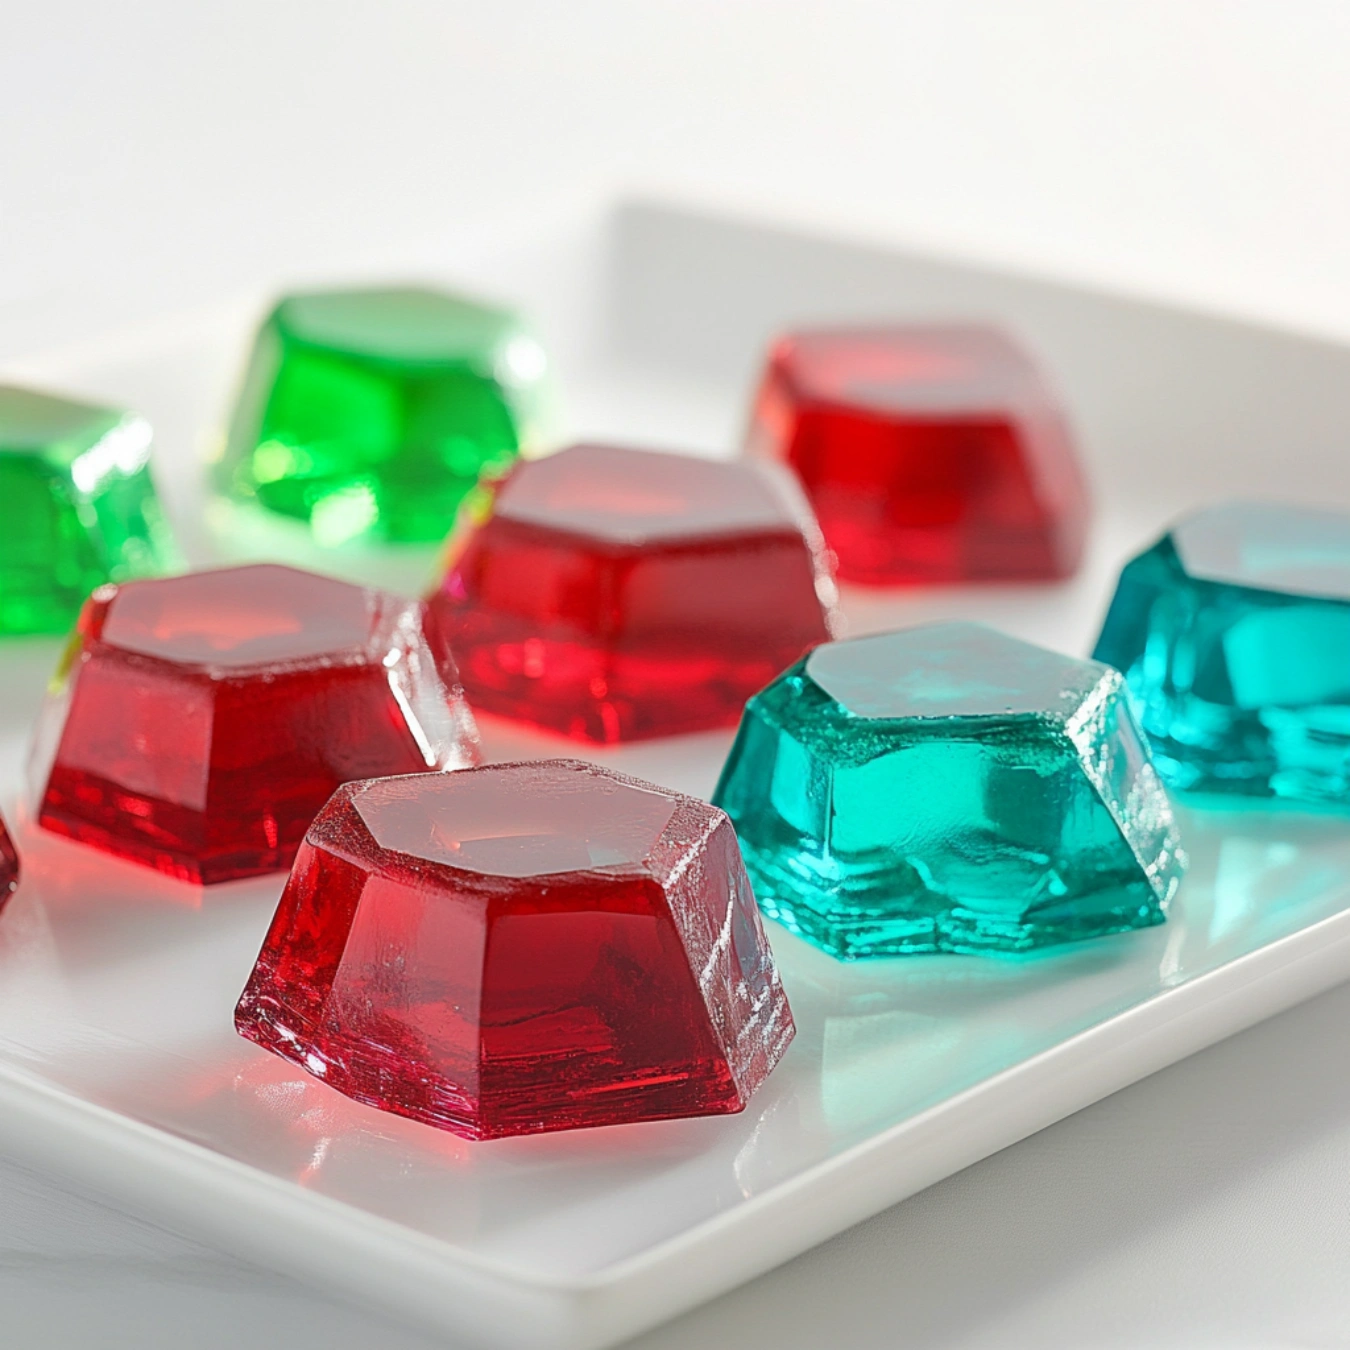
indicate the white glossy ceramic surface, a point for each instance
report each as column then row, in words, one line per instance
column 118, row 1063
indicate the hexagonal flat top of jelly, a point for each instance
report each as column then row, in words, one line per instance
column 62, row 429
column 1270, row 547
column 950, row 670
column 239, row 617
column 633, row 497
column 938, row 370
column 399, row 324
column 517, row 820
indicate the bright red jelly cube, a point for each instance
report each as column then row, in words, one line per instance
column 614, row 594
column 520, row 948
column 201, row 721
column 929, row 454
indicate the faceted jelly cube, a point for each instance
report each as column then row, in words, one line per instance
column 199, row 722
column 614, row 594
column 521, row 948
column 1233, row 631
column 80, row 508
column 947, row 788
column 929, row 454
column 370, row 413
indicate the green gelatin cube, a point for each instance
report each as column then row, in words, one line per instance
column 80, row 507
column 370, row 414
column 947, row 788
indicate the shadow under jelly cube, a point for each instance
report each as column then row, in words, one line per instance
column 197, row 723
column 614, row 594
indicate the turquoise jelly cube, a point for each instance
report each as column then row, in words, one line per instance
column 948, row 788
column 1233, row 632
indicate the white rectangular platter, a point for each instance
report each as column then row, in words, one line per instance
column 119, row 1068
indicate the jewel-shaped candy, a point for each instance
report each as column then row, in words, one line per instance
column 199, row 722
column 80, row 508
column 370, row 413
column 521, row 948
column 1233, row 631
column 614, row 594
column 929, row 454
column 948, row 788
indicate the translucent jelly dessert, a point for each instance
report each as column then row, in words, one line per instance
column 930, row 454
column 947, row 788
column 80, row 507
column 1233, row 631
column 368, row 414
column 520, row 948
column 613, row 594
column 197, row 723
column 9, row 865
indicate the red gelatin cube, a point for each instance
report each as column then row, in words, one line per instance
column 199, row 722
column 9, row 864
column 614, row 594
column 521, row 948
column 930, row 454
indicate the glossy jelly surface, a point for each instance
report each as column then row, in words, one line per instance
column 80, row 507
column 369, row 414
column 948, row 788
column 521, row 948
column 930, row 454
column 613, row 594
column 1233, row 632
column 199, row 722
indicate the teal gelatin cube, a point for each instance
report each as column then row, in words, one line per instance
column 947, row 788
column 1233, row 632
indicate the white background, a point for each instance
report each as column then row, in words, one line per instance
column 156, row 155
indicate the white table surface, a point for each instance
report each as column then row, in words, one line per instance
column 1207, row 1206
column 155, row 155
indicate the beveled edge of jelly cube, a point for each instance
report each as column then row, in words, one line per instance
column 1144, row 816
column 917, row 647
column 782, row 490
column 1304, row 525
column 467, row 331
column 999, row 353
column 658, row 869
column 75, row 424
column 390, row 617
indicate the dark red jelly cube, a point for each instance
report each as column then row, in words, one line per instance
column 614, row 594
column 520, row 948
column 929, row 454
column 9, row 865
column 199, row 722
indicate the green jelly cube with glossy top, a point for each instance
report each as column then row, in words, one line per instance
column 369, row 414
column 79, row 507
column 947, row 788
